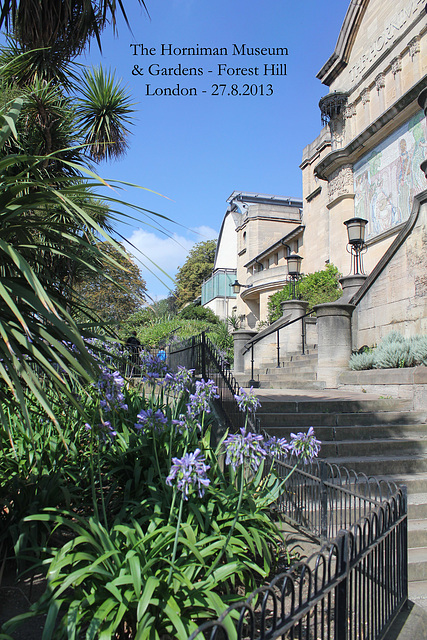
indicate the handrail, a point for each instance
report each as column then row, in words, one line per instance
column 271, row 329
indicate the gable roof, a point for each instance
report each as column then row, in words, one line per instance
column 339, row 59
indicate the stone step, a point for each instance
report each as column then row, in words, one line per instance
column 417, row 506
column 309, row 355
column 415, row 482
column 417, row 564
column 297, row 365
column 273, row 403
column 417, row 592
column 417, row 533
column 283, row 376
column 383, row 465
column 309, row 384
column 277, row 419
column 332, row 433
column 373, row 448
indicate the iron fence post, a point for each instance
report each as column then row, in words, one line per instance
column 303, row 335
column 323, row 501
column 203, row 346
column 342, row 614
column 193, row 352
column 404, row 546
column 278, row 348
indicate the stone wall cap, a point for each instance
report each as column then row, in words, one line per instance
column 328, row 308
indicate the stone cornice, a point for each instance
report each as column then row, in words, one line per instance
column 313, row 194
column 402, row 110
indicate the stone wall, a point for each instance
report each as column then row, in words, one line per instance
column 394, row 296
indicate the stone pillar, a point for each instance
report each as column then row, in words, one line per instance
column 350, row 285
column 422, row 101
column 334, row 335
column 241, row 337
column 291, row 337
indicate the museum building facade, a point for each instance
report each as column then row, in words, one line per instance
column 365, row 163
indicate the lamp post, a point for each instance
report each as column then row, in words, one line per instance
column 294, row 271
column 356, row 243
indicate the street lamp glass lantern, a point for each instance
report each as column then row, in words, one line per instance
column 294, row 264
column 356, row 230
column 236, row 287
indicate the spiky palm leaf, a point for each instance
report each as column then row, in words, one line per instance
column 40, row 221
column 104, row 111
column 23, row 67
column 64, row 25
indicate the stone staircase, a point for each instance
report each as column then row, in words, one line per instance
column 296, row 371
column 377, row 436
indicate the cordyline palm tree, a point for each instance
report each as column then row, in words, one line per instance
column 93, row 109
column 63, row 27
column 42, row 220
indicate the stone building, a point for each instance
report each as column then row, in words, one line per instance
column 365, row 163
column 257, row 232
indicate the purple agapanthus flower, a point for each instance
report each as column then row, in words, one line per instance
column 247, row 400
column 108, row 429
column 179, row 381
column 150, row 421
column 152, row 366
column 185, row 422
column 189, row 472
column 202, row 397
column 305, row 445
column 110, row 385
column 244, row 447
column 277, row 447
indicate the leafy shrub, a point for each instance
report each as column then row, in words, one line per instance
column 223, row 340
column 360, row 361
column 192, row 312
column 317, row 288
column 165, row 331
column 394, row 351
column 419, row 349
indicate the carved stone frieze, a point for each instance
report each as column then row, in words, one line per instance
column 341, row 182
column 365, row 96
column 350, row 111
column 414, row 46
column 380, row 82
column 396, row 65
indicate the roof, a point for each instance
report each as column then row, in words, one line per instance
column 279, row 243
column 339, row 59
column 264, row 198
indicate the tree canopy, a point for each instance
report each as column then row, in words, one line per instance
column 116, row 291
column 197, row 267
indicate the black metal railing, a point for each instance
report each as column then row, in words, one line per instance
column 353, row 588
column 200, row 354
column 276, row 327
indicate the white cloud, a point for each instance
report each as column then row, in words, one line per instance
column 154, row 252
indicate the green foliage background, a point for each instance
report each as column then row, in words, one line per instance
column 317, row 288
column 197, row 267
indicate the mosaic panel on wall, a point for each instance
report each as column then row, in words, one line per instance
column 386, row 179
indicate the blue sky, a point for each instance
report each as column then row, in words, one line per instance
column 196, row 150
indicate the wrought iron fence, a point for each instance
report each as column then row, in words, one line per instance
column 351, row 589
column 200, row 354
